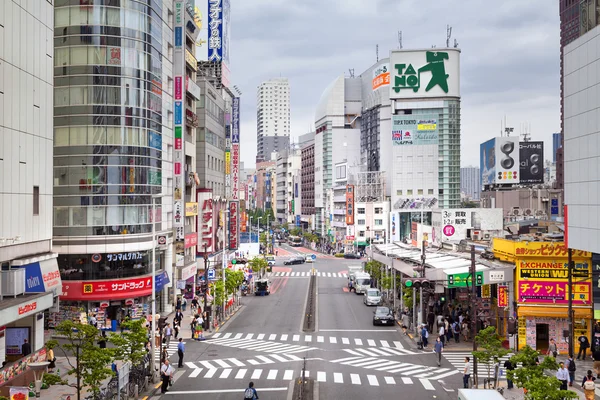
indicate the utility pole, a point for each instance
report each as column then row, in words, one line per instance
column 570, row 286
column 206, row 319
column 473, row 312
column 424, row 238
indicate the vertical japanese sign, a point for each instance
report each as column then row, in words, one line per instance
column 349, row 204
column 502, row 296
column 178, row 157
column 233, row 225
column 215, row 31
column 205, row 222
column 235, row 147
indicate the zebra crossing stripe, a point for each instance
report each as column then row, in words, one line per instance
column 372, row 380
column 235, row 362
column 360, row 360
column 227, row 335
column 345, row 340
column 273, row 336
column 239, row 335
column 272, row 374
column 371, row 342
column 398, row 345
column 221, row 363
column 384, row 343
column 388, row 363
column 355, row 378
column 392, row 365
column 261, row 336
column 338, row 378
column 353, row 352
column 284, row 337
column 249, row 336
column 344, row 359
column 225, row 374
column 296, row 338
column 207, row 364
column 426, row 384
column 321, row 377
column 256, row 374
column 241, row 373
column 358, row 342
column 368, row 363
column 216, row 335
column 210, row 373
column 253, row 362
column 320, row 339
column 279, row 358
column 332, row 339
column 265, row 359
column 288, row 375
column 406, row 380
column 447, row 374
column 196, row 372
column 389, row 380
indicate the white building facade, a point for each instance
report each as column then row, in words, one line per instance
column 470, row 182
column 272, row 117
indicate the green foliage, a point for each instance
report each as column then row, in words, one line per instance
column 311, row 237
column 92, row 364
column 490, row 344
column 339, row 255
column 263, row 238
column 4, row 398
column 387, row 282
column 531, row 376
column 257, row 264
column 130, row 345
column 52, row 379
column 374, row 269
column 216, row 288
column 233, row 280
column 296, row 231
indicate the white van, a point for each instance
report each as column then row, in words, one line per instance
column 479, row 394
column 353, row 270
column 362, row 282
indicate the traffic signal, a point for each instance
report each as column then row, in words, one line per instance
column 512, row 326
column 418, row 283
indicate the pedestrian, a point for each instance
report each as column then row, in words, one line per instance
column 167, row 334
column 448, row 331
column 508, row 365
column 424, row 336
column 51, row 358
column 102, row 340
column 183, row 304
column 26, row 348
column 194, row 304
column 166, row 374
column 596, row 358
column 571, row 367
column 552, row 349
column 405, row 323
column 438, row 348
column 456, row 331
column 250, row 392
column 178, row 304
column 589, row 387
column 430, row 321
column 465, row 330
column 563, row 376
column 442, row 333
column 467, row 373
column 176, row 329
column 93, row 321
column 584, row 344
column 180, row 352
column 198, row 333
column 164, row 355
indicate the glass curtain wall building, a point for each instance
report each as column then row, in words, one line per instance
column 113, row 135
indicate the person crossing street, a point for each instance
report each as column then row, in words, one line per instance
column 180, row 352
column 438, row 348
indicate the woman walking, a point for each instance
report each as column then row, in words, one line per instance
column 589, row 387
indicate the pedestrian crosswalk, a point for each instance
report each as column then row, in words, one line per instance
column 306, row 274
column 386, row 347
column 457, row 359
column 249, row 343
column 268, row 374
column 236, row 363
column 380, row 351
column 397, row 367
column 171, row 349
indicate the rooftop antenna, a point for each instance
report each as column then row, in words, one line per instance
column 399, row 39
column 351, row 71
column 455, row 43
column 448, row 35
column 377, row 52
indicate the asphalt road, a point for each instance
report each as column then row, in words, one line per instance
column 348, row 356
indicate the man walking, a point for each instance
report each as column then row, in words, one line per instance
column 570, row 364
column 467, row 373
column 563, row 376
column 584, row 344
column 438, row 348
column 180, row 351
column 509, row 367
column 26, row 348
column 168, row 333
column 405, row 323
column 166, row 374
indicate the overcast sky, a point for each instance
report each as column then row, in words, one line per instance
column 509, row 61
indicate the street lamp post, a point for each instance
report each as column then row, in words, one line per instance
column 206, row 319
column 224, row 261
column 258, row 232
column 251, row 229
column 268, row 234
column 152, row 341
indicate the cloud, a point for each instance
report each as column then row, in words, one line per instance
column 509, row 61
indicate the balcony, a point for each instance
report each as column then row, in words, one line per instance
column 191, row 118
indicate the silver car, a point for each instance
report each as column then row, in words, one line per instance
column 372, row 297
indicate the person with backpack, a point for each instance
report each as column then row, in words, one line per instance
column 589, row 387
column 424, row 335
column 584, row 344
column 442, row 333
column 250, row 392
column 571, row 367
column 456, row 331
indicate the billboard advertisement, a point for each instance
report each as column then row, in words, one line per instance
column 531, row 168
column 235, row 170
column 205, row 221
column 454, row 224
column 233, row 225
column 487, row 162
column 349, row 204
column 381, row 76
column 507, row 160
column 424, row 73
column 215, row 30
column 417, row 130
column 235, row 120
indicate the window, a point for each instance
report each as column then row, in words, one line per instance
column 378, row 210
column 409, row 192
column 419, row 191
column 360, row 210
column 36, row 200
column 360, row 222
column 378, row 222
column 361, row 233
column 430, row 191
column 399, row 192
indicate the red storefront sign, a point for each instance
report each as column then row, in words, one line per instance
column 502, row 296
column 115, row 289
column 233, row 225
column 27, row 308
column 191, row 239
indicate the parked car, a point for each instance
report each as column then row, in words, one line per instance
column 309, row 258
column 372, row 297
column 294, row 261
column 383, row 316
column 352, row 256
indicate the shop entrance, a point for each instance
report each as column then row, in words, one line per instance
column 542, row 337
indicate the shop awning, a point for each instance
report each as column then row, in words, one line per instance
column 41, row 274
column 553, row 312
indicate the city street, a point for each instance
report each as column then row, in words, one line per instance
column 347, row 355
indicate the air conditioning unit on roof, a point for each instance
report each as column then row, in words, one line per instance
column 516, row 211
column 528, row 212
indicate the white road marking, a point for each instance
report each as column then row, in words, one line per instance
column 384, row 343
column 239, row 336
column 236, row 362
column 256, row 374
column 320, row 339
column 221, row 363
column 373, row 380
column 398, row 345
column 207, row 364
column 358, row 342
column 253, row 362
column 338, row 378
column 249, row 336
column 211, row 372
column 216, row 335
column 344, row 359
column 321, row 376
column 225, row 374
column 273, row 336
column 345, row 340
column 371, row 342
column 355, row 378
column 406, row 380
column 241, row 373
column 293, row 357
column 332, row 339
column 265, row 359
column 196, row 372
column 308, row 338
column 329, row 274
column 447, row 374
column 284, row 337
column 261, row 336
column 190, row 365
column 353, row 352
column 227, row 335
column 427, row 384
column 272, row 374
column 288, row 375
column 279, row 358
column 296, row 338
column 218, row 391
column 389, row 380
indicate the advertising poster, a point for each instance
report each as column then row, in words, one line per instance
column 381, row 76
column 507, row 160
column 349, row 204
column 531, row 169
column 233, row 225
column 205, row 222
column 414, row 129
column 487, row 162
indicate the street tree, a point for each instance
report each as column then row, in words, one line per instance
column 130, row 344
column 218, row 292
column 258, row 265
column 491, row 350
column 532, row 377
column 91, row 364
column 295, row 231
column 233, row 280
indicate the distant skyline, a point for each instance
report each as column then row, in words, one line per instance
column 509, row 62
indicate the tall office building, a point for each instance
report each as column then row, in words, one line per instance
column 272, row 118
column 470, row 183
column 556, row 144
column 29, row 268
column 119, row 91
